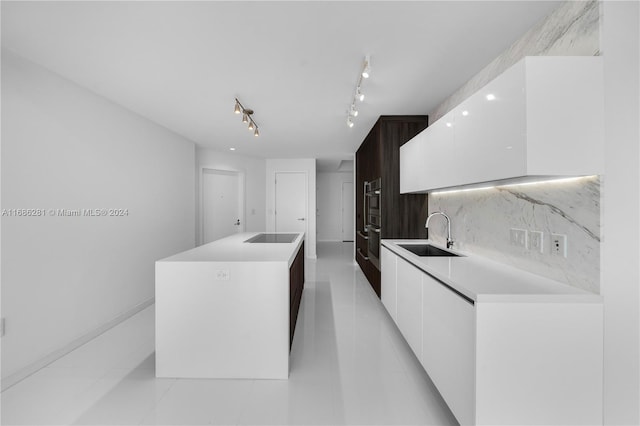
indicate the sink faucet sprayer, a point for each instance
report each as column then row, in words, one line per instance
column 426, row 225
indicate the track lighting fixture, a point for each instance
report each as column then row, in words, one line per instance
column 247, row 117
column 358, row 95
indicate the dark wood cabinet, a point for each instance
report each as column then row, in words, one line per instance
column 401, row 215
column 296, row 285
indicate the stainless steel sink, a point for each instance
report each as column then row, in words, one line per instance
column 426, row 250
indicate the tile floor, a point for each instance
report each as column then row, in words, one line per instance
column 349, row 365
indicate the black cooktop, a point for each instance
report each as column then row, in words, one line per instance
column 272, row 238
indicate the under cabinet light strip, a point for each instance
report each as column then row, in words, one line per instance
column 507, row 185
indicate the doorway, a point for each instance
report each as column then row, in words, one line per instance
column 222, row 211
column 291, row 202
column 348, row 228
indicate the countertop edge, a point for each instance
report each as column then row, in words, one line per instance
column 298, row 242
column 580, row 296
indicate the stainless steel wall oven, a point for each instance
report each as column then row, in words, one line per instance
column 373, row 194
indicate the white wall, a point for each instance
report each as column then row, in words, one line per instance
column 621, row 224
column 254, row 174
column 307, row 165
column 329, row 199
column 66, row 148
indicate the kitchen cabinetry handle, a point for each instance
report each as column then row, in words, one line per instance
column 363, row 235
column 439, row 281
column 363, row 256
column 376, row 230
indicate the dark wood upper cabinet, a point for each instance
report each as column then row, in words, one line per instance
column 402, row 215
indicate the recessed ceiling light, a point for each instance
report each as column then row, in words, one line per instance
column 465, row 113
column 449, row 124
column 232, row 149
column 491, row 97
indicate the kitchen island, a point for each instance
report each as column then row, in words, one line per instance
column 228, row 309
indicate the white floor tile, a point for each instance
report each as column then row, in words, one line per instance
column 349, row 365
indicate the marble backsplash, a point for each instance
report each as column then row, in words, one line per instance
column 481, row 221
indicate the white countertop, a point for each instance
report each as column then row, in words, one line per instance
column 484, row 280
column 234, row 249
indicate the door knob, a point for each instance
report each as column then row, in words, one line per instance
column 301, row 218
column 237, row 222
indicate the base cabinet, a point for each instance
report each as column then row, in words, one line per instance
column 449, row 340
column 409, row 304
column 500, row 363
column 296, row 285
column 388, row 272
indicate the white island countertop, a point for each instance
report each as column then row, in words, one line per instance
column 484, row 280
column 235, row 249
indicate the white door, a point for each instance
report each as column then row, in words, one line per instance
column 291, row 202
column 347, row 211
column 221, row 204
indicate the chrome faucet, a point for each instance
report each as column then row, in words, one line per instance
column 426, row 225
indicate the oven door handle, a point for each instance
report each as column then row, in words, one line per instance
column 376, row 230
column 365, row 210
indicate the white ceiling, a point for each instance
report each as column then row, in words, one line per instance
column 181, row 64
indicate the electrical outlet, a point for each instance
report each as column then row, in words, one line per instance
column 559, row 245
column 222, row 275
column 536, row 239
column 518, row 237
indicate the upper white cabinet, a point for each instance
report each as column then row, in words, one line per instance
column 542, row 117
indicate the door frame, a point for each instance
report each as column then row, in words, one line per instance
column 306, row 199
column 353, row 236
column 241, row 197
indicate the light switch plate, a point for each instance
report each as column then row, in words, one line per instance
column 536, row 241
column 518, row 237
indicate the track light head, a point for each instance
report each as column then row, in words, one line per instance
column 359, row 94
column 245, row 118
column 366, row 71
column 251, row 125
column 237, row 108
column 256, row 133
column 353, row 111
column 349, row 122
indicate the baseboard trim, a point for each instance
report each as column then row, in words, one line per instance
column 55, row 355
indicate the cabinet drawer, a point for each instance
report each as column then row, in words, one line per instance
column 449, row 340
column 409, row 304
column 388, row 281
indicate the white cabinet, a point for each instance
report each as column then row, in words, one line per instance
column 448, row 346
column 388, row 281
column 535, row 360
column 419, row 162
column 541, row 118
column 409, row 305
